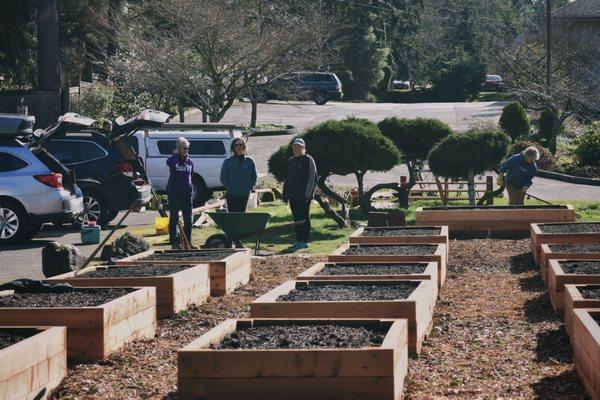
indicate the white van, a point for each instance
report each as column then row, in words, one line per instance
column 209, row 147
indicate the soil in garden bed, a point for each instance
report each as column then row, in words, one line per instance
column 581, row 267
column 575, row 248
column 590, row 292
column 570, row 228
column 75, row 298
column 532, row 207
column 136, row 271
column 303, row 336
column 392, row 250
column 372, row 269
column 351, row 291
column 198, row 255
column 8, row 337
column 400, row 232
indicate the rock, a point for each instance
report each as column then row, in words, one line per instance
column 128, row 245
column 58, row 258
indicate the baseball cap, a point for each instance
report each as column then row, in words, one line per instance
column 299, row 141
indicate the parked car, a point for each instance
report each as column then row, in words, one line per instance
column 209, row 146
column 494, row 83
column 109, row 174
column 35, row 187
column 401, row 85
column 320, row 87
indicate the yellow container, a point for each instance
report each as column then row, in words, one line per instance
column 162, row 225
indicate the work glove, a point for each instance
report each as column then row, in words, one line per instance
column 500, row 180
column 523, row 190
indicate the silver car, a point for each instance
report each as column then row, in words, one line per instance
column 34, row 187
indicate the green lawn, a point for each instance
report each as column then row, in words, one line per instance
column 325, row 235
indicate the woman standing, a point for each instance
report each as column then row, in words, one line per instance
column 180, row 191
column 238, row 175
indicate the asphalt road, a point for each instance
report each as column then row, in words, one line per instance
column 24, row 261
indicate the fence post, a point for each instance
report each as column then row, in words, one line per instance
column 489, row 188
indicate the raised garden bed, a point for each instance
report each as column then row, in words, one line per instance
column 370, row 271
column 296, row 360
column 579, row 296
column 228, row 268
column 586, row 349
column 366, row 253
column 177, row 286
column 33, row 361
column 399, row 235
column 413, row 300
column 569, row 232
column 98, row 320
column 565, row 272
column 492, row 218
column 550, row 252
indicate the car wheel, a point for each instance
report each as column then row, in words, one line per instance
column 202, row 192
column 13, row 223
column 94, row 206
column 112, row 214
column 320, row 98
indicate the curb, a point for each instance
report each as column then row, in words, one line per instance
column 568, row 178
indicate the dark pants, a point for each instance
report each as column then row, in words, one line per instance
column 236, row 203
column 184, row 205
column 301, row 211
column 515, row 198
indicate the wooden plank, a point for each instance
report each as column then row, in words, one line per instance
column 557, row 279
column 574, row 300
column 358, row 238
column 538, row 237
column 547, row 255
column 586, row 349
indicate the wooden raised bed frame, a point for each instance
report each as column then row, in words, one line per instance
column 93, row 332
column 573, row 301
column 557, row 279
column 33, row 367
column 312, row 274
column 586, row 349
column 547, row 255
column 439, row 256
column 538, row 238
column 226, row 274
column 494, row 219
column 417, row 308
column 357, row 236
column 174, row 292
column 293, row 374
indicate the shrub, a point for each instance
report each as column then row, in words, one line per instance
column 414, row 137
column 460, row 78
column 515, row 121
column 464, row 155
column 95, row 101
column 587, row 147
column 547, row 160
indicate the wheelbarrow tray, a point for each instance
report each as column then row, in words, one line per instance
column 240, row 225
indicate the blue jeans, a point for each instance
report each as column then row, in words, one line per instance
column 184, row 205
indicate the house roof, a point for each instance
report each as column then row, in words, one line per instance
column 579, row 9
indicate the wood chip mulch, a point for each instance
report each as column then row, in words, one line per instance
column 495, row 335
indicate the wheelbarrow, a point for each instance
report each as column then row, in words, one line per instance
column 237, row 226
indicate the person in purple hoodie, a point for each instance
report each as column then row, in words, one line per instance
column 180, row 191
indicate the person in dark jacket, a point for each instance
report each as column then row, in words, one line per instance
column 180, row 191
column 517, row 173
column 299, row 190
column 238, row 175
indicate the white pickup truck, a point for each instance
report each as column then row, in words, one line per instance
column 209, row 146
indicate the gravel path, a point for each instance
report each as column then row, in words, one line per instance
column 581, row 267
column 351, row 291
column 75, row 298
column 138, row 271
column 372, row 269
column 412, row 249
column 570, row 228
column 304, row 336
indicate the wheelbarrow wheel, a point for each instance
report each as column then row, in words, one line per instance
column 218, row 241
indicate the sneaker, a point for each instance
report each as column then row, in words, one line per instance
column 303, row 245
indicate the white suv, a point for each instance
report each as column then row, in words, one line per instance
column 34, row 187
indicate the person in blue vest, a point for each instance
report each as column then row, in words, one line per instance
column 180, row 191
column 299, row 190
column 238, row 175
column 517, row 173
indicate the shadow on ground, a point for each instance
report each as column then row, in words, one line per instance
column 565, row 386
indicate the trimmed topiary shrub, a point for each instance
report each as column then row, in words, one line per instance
column 515, row 121
column 414, row 137
column 464, row 155
column 549, row 129
column 587, row 147
column 547, row 160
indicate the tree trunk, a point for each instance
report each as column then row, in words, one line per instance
column 411, row 174
column 345, row 212
column 442, row 191
column 471, row 186
column 342, row 223
column 254, row 112
column 48, row 65
column 366, row 205
column 181, row 110
column 361, row 186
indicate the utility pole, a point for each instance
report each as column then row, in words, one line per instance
column 548, row 45
column 48, row 68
